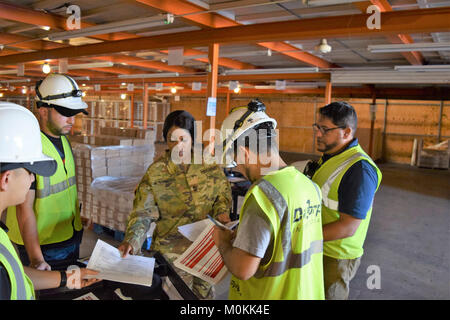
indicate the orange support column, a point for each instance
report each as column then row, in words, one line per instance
column 373, row 110
column 228, row 103
column 328, row 93
column 145, row 101
column 132, row 110
column 213, row 56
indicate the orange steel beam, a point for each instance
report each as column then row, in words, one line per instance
column 297, row 54
column 145, row 111
column 213, row 20
column 30, row 16
column 328, row 88
column 413, row 57
column 225, row 62
column 394, row 22
column 26, row 15
column 188, row 12
column 132, row 110
column 140, row 62
column 24, row 42
column 426, row 93
column 213, row 56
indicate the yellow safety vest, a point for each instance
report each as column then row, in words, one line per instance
column 21, row 286
column 292, row 204
column 328, row 177
column 56, row 201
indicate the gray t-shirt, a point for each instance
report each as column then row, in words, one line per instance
column 254, row 234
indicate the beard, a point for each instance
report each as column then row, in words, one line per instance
column 323, row 147
column 55, row 129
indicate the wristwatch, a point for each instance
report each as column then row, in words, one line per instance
column 63, row 279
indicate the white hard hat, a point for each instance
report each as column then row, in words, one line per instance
column 20, row 141
column 62, row 93
column 239, row 121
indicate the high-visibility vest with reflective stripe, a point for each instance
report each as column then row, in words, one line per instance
column 292, row 204
column 21, row 286
column 56, row 201
column 328, row 177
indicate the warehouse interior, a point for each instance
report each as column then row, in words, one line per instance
column 138, row 60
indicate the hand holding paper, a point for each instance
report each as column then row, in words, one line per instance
column 111, row 266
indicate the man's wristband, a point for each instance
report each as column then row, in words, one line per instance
column 63, row 279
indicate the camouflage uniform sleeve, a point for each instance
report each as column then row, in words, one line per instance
column 144, row 212
column 222, row 204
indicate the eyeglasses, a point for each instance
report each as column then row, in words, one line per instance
column 323, row 130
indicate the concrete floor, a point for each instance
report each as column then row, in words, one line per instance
column 408, row 238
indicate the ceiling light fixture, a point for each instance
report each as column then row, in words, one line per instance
column 173, row 90
column 389, row 77
column 149, row 75
column 323, row 46
column 271, row 71
column 318, row 3
column 408, row 47
column 46, row 68
column 427, row 68
column 14, row 81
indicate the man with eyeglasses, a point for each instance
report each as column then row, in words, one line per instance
column 47, row 227
column 348, row 178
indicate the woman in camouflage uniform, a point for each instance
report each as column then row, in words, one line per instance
column 176, row 194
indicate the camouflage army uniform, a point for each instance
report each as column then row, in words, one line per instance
column 171, row 198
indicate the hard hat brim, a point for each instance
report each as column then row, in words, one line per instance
column 45, row 168
column 69, row 112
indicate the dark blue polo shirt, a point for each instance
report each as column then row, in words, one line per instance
column 357, row 187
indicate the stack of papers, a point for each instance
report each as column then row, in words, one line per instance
column 202, row 259
column 111, row 266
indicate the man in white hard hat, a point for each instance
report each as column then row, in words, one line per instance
column 277, row 250
column 47, row 227
column 20, row 157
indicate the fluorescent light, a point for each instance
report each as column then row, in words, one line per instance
column 407, row 47
column 316, row 3
column 119, row 26
column 81, row 78
column 105, row 64
column 389, row 77
column 149, row 75
column 428, row 68
column 306, row 85
column 11, row 71
column 15, row 80
column 271, row 71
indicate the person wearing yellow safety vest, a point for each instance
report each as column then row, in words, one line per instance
column 348, row 178
column 47, row 226
column 277, row 249
column 21, row 156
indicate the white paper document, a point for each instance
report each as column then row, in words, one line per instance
column 193, row 230
column 111, row 266
column 87, row 296
column 202, row 258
